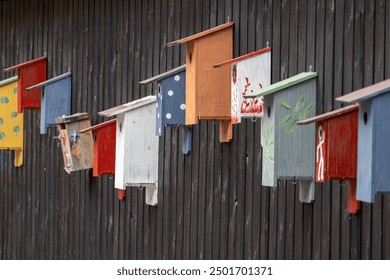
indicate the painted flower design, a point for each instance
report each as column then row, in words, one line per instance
column 295, row 113
column 2, row 136
column 4, row 100
column 14, row 115
column 17, row 130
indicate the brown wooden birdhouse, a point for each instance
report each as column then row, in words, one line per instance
column 208, row 88
column 77, row 149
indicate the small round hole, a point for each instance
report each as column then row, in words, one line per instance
column 365, row 118
column 320, row 133
column 190, row 57
column 269, row 112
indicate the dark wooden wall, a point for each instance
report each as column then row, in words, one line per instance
column 211, row 203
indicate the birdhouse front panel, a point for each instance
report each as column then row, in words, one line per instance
column 336, row 150
column 295, row 145
column 77, row 148
column 104, row 150
column 30, row 73
column 249, row 76
column 171, row 102
column 212, row 86
column 11, row 122
column 141, row 146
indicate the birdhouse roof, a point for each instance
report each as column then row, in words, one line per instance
column 128, row 106
column 45, row 83
column 366, row 93
column 9, row 80
column 98, row 126
column 243, row 57
column 72, row 118
column 330, row 115
column 25, row 64
column 294, row 80
column 201, row 34
column 164, row 75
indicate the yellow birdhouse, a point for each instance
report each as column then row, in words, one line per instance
column 11, row 122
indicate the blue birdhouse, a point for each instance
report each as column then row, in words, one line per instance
column 56, row 99
column 373, row 174
column 171, row 103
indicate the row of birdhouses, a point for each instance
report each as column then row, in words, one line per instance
column 297, row 145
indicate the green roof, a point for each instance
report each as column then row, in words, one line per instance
column 9, row 80
column 284, row 84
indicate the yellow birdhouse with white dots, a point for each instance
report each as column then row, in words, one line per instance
column 11, row 122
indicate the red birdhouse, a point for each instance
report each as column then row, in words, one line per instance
column 30, row 73
column 104, row 147
column 336, row 149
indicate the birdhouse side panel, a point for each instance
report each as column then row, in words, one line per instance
column 81, row 145
column 159, row 111
column 29, row 76
column 174, row 100
column 65, row 148
column 142, row 145
column 122, row 156
column 191, row 78
column 213, row 84
column 11, row 122
column 365, row 190
column 381, row 143
column 342, row 146
column 106, row 138
column 248, row 77
column 295, row 145
column 268, row 143
column 56, row 100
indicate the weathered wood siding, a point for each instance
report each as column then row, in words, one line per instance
column 211, row 204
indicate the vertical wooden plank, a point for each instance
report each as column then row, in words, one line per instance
column 358, row 78
column 167, row 193
column 202, row 190
column 209, row 192
column 162, row 68
column 319, row 67
column 224, row 237
column 279, row 9
column 378, row 73
column 386, row 199
column 3, row 10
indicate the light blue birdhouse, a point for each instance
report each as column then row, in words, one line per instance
column 373, row 175
column 56, row 99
